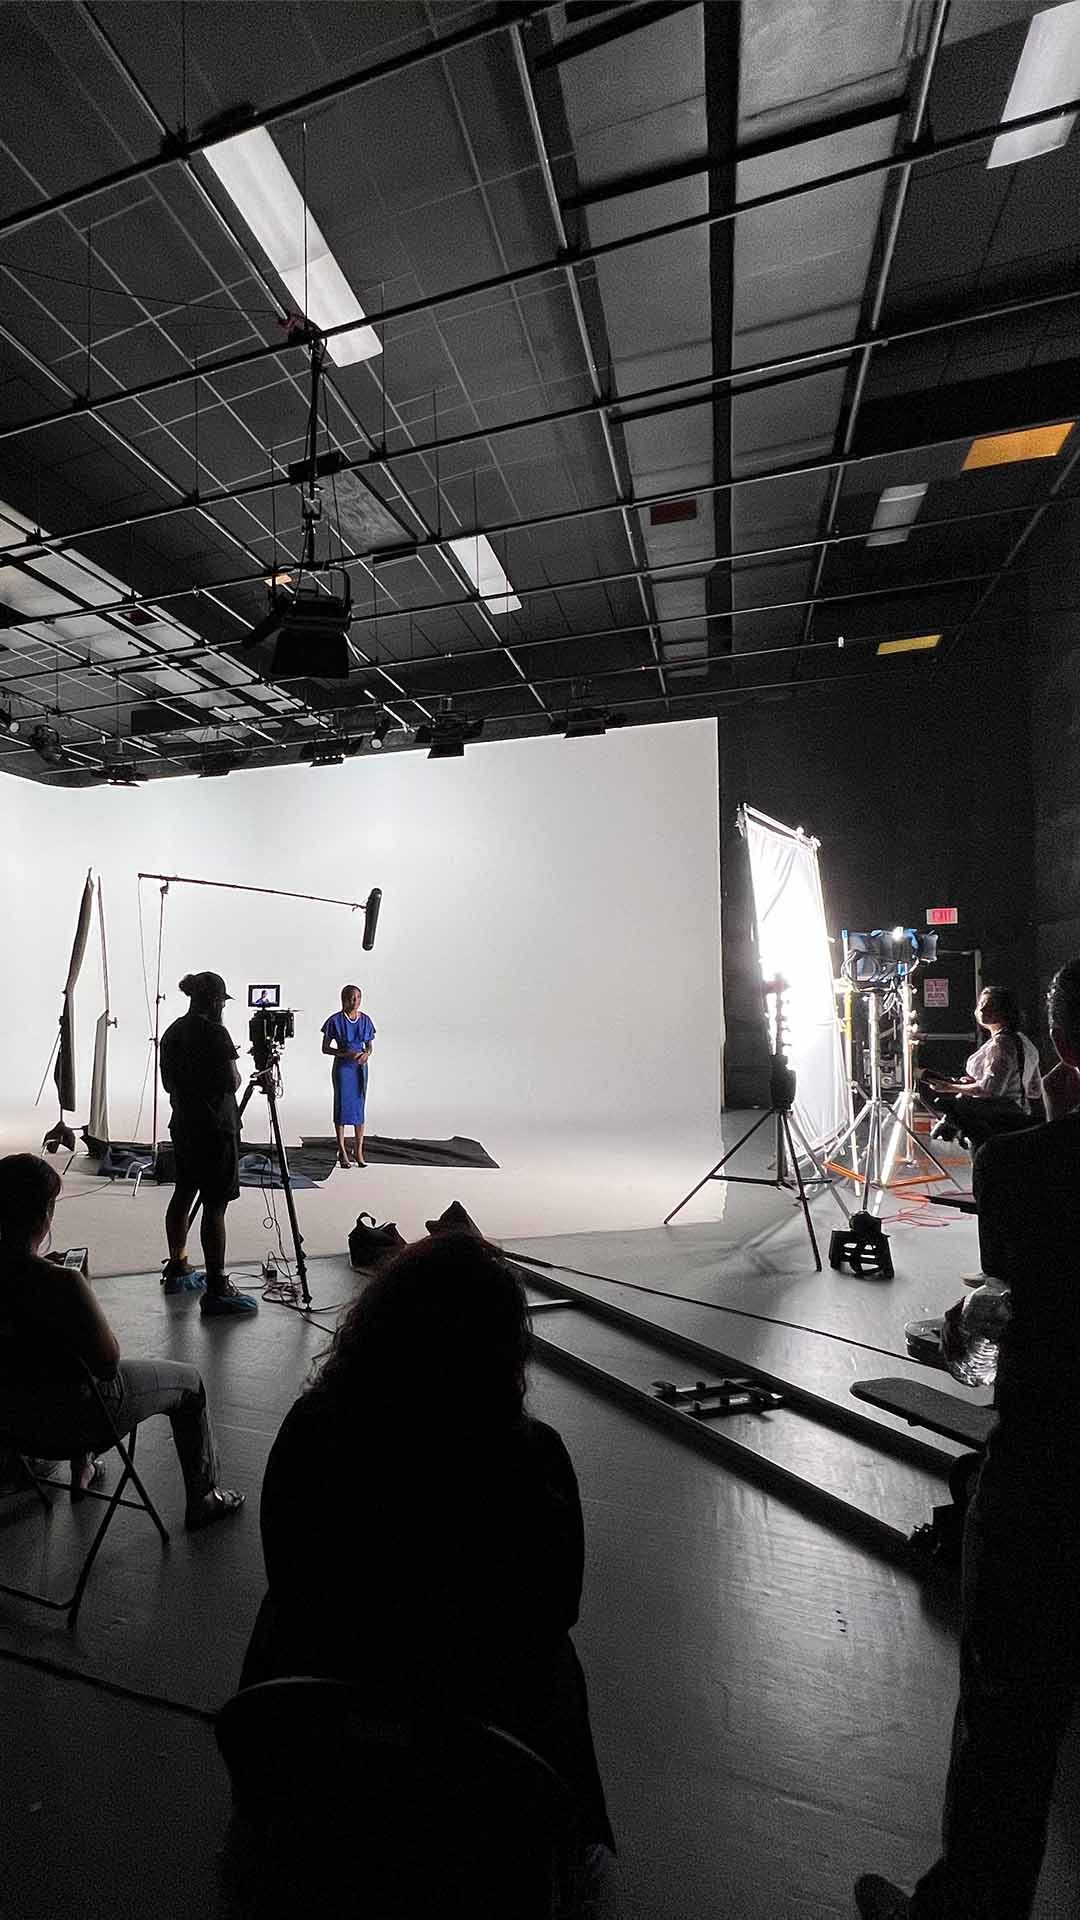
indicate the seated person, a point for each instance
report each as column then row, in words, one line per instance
column 50, row 1321
column 1001, row 1081
column 1019, row 1681
column 422, row 1534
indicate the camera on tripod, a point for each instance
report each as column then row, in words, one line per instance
column 270, row 1026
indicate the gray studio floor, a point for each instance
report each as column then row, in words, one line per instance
column 771, row 1700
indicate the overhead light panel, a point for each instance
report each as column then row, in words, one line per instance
column 475, row 556
column 1047, row 75
column 1030, row 443
column 918, row 643
column 894, row 514
column 255, row 177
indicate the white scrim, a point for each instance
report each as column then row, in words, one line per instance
column 793, row 943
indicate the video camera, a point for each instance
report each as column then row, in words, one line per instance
column 270, row 1025
column 887, row 955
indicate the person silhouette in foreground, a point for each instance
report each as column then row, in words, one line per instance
column 199, row 1074
column 51, row 1327
column 428, row 1526
column 1020, row 1617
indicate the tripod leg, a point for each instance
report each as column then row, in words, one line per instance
column 714, row 1171
column 803, row 1202
column 820, row 1170
column 286, row 1181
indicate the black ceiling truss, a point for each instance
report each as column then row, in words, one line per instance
column 509, row 725
column 180, row 658
column 243, row 250
column 754, row 377
column 1038, row 396
column 899, row 427
column 601, row 400
column 581, row 256
column 892, row 216
column 178, row 146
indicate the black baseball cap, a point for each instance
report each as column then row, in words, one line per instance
column 205, row 986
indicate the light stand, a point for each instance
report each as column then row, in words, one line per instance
column 886, row 1124
column 155, row 1040
column 786, row 1132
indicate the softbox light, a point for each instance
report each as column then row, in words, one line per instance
column 793, row 942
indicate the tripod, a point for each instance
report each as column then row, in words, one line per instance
column 267, row 1080
column 786, row 1132
column 887, row 1125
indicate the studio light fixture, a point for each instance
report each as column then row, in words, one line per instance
column 381, row 726
column 215, row 766
column 8, row 722
column 262, row 189
column 1028, row 443
column 1047, row 74
column 917, row 643
column 448, row 733
column 476, row 557
column 331, row 751
column 308, row 630
column 894, row 514
column 585, row 722
column 47, row 745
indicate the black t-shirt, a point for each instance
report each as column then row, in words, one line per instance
column 197, row 1065
column 1028, row 1190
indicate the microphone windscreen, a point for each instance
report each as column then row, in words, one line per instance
column 371, row 917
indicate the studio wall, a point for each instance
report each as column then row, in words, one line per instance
column 548, row 952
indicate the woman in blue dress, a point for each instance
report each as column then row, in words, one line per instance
column 347, row 1036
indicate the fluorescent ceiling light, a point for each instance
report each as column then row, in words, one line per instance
column 256, row 178
column 894, row 514
column 475, row 555
column 1048, row 74
column 919, row 643
column 1031, row 443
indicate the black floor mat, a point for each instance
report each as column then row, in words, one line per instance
column 456, row 1152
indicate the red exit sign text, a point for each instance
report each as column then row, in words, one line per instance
column 942, row 916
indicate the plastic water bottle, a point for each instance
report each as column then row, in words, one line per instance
column 986, row 1314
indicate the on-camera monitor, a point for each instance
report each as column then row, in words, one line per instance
column 264, row 996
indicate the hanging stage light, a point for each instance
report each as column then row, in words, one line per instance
column 48, row 747
column 331, row 751
column 8, row 722
column 448, row 734
column 380, row 728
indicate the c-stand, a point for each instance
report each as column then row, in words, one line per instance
column 787, row 1129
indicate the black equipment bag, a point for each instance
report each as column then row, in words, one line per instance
column 369, row 1243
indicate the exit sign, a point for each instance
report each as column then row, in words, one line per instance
column 942, row 916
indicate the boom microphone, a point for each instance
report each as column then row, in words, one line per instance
column 371, row 917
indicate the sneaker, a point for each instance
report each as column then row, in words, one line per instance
column 879, row 1899
column 454, row 1220
column 219, row 1504
column 178, row 1277
column 226, row 1299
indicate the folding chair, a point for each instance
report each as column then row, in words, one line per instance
column 416, row 1818
column 11, row 1441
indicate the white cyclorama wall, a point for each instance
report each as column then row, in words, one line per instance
column 548, row 949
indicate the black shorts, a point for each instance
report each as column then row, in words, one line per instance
column 207, row 1163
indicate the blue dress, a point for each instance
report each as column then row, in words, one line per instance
column 350, row 1079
